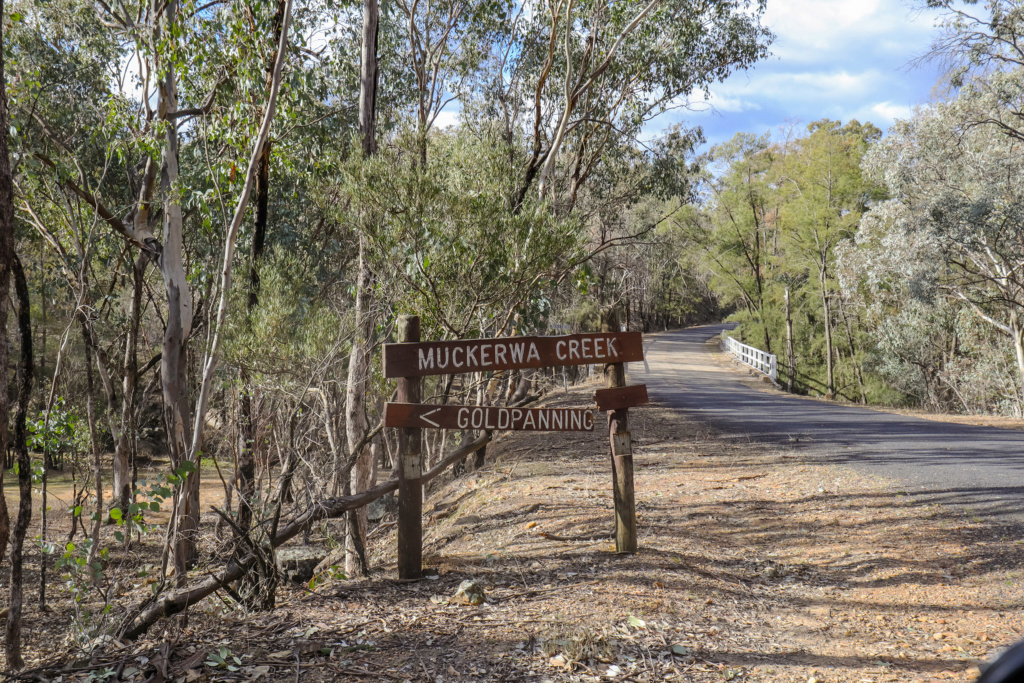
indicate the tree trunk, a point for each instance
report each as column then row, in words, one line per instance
column 42, row 325
column 245, row 472
column 1017, row 332
column 258, row 588
column 829, row 370
column 13, row 635
column 857, row 373
column 24, row 394
column 174, row 360
column 90, row 415
column 368, row 77
column 789, row 345
column 359, row 360
column 188, row 511
column 25, row 377
column 355, row 414
column 13, row 630
column 123, row 447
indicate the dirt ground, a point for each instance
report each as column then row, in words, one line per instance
column 753, row 566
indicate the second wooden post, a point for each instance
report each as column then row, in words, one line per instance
column 410, row 469
column 622, row 453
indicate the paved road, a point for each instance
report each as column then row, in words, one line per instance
column 978, row 468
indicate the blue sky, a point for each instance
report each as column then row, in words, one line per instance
column 840, row 59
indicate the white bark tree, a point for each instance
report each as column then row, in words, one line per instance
column 961, row 183
column 358, row 384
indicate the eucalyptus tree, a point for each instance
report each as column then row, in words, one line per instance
column 959, row 184
column 822, row 197
column 974, row 36
column 445, row 43
column 892, row 274
column 358, row 384
column 981, row 46
column 661, row 53
column 739, row 233
column 587, row 75
column 137, row 126
column 456, row 254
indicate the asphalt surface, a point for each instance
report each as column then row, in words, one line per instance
column 980, row 469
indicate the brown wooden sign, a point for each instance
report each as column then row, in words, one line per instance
column 621, row 397
column 488, row 417
column 510, row 353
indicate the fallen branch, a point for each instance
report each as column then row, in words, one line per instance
column 379, row 528
column 527, row 400
column 588, row 537
column 178, row 601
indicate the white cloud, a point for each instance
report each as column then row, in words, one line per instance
column 720, row 103
column 804, row 86
column 810, row 30
column 837, row 59
column 891, row 112
column 446, row 119
column 882, row 114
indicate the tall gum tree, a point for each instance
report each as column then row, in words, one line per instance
column 259, row 592
column 157, row 32
column 959, row 186
column 740, row 239
column 359, row 372
column 579, row 68
column 824, row 195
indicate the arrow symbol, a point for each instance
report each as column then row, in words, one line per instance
column 430, row 422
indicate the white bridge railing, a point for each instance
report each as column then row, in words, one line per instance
column 755, row 358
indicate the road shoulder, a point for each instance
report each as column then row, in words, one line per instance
column 759, row 382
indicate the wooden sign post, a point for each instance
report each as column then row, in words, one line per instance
column 511, row 353
column 410, row 469
column 411, row 359
column 421, row 415
column 622, row 454
column 622, row 397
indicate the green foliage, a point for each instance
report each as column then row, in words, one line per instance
column 332, row 573
column 454, row 231
column 294, row 323
column 223, row 659
column 775, row 215
column 62, row 431
column 943, row 256
column 454, row 250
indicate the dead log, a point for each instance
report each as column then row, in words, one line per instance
column 177, row 601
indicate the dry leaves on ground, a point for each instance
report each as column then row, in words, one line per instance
column 755, row 565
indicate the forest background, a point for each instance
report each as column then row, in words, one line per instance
column 215, row 212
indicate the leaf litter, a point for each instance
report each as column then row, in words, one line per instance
column 755, row 564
